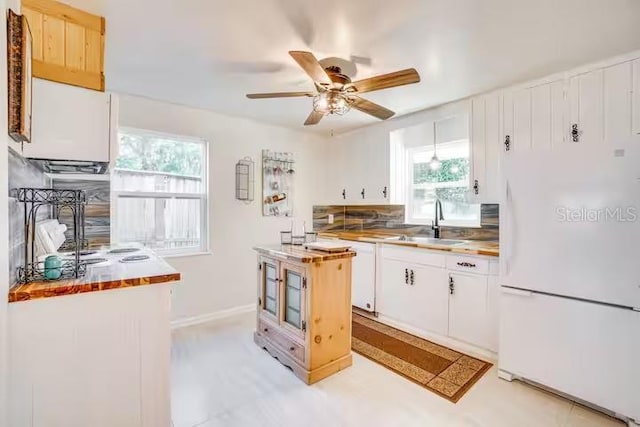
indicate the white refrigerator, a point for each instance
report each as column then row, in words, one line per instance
column 570, row 273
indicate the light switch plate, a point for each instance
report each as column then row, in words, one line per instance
column 330, row 218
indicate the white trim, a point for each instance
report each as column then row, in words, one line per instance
column 454, row 344
column 159, row 195
column 210, row 317
column 79, row 176
column 186, row 254
column 205, row 223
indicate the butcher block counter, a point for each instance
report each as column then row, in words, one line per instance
column 304, row 309
column 112, row 273
column 469, row 247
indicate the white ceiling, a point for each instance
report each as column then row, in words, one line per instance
column 209, row 53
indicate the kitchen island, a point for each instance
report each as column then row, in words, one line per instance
column 304, row 309
column 93, row 351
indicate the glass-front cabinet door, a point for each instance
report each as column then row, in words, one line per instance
column 293, row 302
column 270, row 285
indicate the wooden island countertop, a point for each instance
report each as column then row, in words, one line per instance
column 112, row 274
column 300, row 254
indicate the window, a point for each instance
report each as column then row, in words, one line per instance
column 417, row 186
column 450, row 184
column 160, row 192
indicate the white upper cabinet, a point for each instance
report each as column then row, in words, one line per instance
column 586, row 108
column 590, row 108
column 69, row 123
column 359, row 168
column 486, row 143
column 618, row 104
column 547, row 116
column 522, row 120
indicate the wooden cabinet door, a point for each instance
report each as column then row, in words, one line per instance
column 293, row 298
column 586, row 112
column 68, row 43
column 269, row 288
column 468, row 308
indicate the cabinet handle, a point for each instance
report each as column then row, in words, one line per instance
column 266, row 329
column 384, row 192
column 344, row 193
column 466, row 264
column 406, row 276
column 451, row 285
column 362, row 193
column 575, row 133
column 413, row 278
column 476, row 187
column 292, row 348
column 507, row 143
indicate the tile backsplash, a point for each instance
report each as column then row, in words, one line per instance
column 97, row 211
column 390, row 219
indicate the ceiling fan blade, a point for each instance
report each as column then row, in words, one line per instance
column 314, row 118
column 278, row 95
column 384, row 81
column 371, row 108
column 311, row 66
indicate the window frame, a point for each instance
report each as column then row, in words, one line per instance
column 409, row 187
column 204, row 246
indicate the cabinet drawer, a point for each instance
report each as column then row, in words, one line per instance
column 277, row 337
column 468, row 264
column 413, row 255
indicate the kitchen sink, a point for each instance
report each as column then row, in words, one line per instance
column 426, row 240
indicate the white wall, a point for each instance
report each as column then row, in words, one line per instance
column 226, row 278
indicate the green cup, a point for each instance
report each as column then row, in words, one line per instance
column 52, row 267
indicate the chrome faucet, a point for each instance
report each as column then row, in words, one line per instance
column 435, row 225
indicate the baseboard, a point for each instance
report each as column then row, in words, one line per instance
column 209, row 317
column 470, row 349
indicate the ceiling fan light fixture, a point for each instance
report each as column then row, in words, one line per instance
column 331, row 102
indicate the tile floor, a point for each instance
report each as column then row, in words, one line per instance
column 221, row 378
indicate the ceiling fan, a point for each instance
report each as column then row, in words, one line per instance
column 336, row 93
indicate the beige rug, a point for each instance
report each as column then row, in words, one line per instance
column 444, row 371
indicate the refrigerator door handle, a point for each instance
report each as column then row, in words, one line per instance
column 517, row 292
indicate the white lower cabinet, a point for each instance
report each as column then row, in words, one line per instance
column 440, row 298
column 99, row 359
column 415, row 295
column 468, row 308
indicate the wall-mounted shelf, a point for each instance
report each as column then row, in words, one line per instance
column 245, row 180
